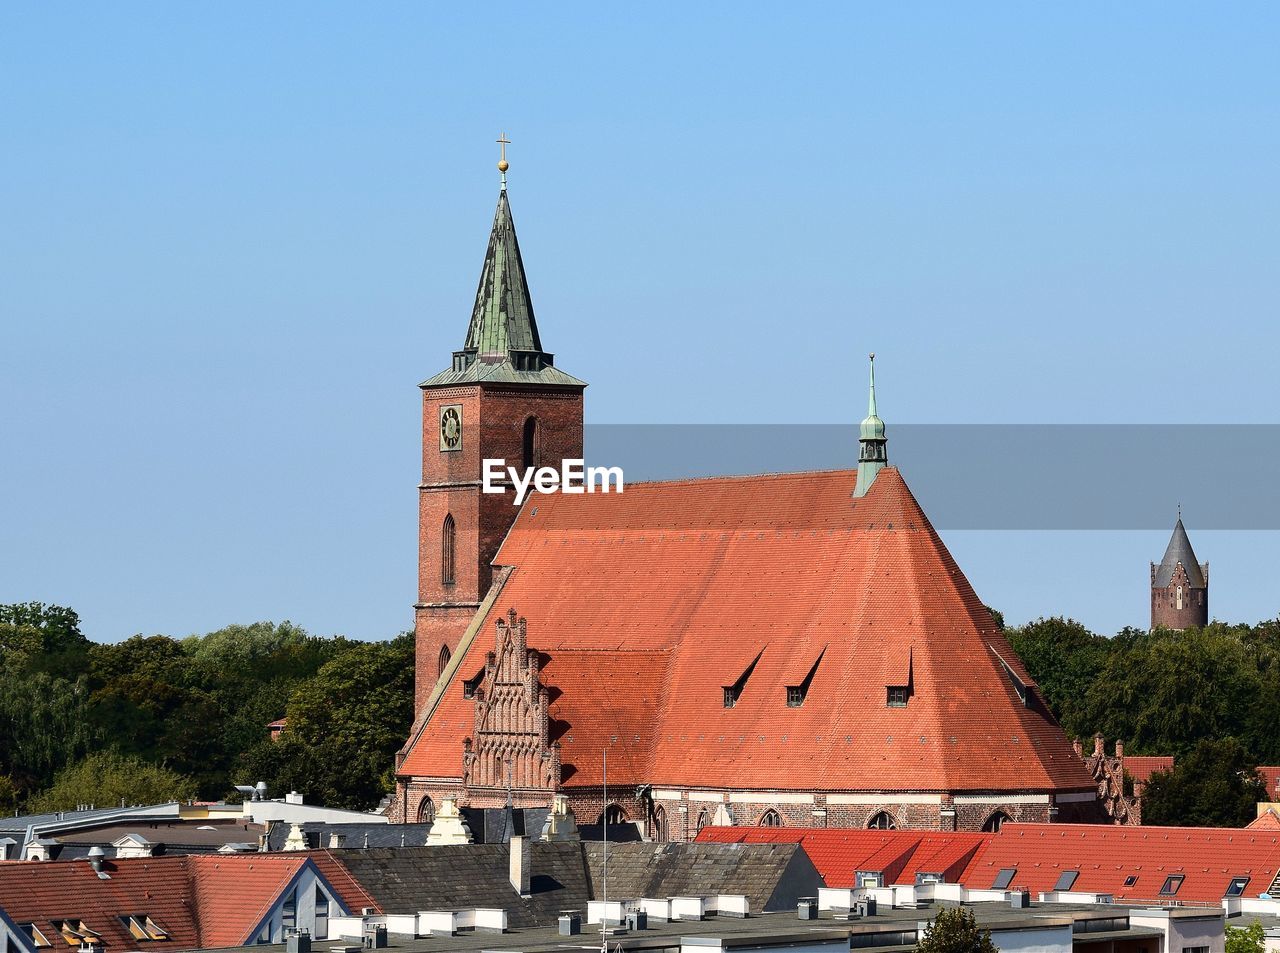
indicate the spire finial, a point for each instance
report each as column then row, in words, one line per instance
column 1179, row 511
column 503, row 164
column 871, row 401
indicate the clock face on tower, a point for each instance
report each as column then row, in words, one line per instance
column 451, row 427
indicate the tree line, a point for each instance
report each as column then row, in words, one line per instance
column 1210, row 697
column 155, row 718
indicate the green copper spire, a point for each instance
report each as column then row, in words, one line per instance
column 502, row 345
column 873, row 453
column 502, row 319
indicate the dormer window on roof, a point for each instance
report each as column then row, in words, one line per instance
column 796, row 694
column 733, row 692
column 1019, row 686
column 1171, row 885
column 896, row 696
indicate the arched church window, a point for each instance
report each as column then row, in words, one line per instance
column 995, row 822
column 444, row 659
column 426, row 811
column 883, row 821
column 660, row 832
column 771, row 818
column 448, row 533
column 703, row 818
column 612, row 815
column 1179, row 597
column 530, row 443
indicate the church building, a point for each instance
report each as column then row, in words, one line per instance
column 793, row 649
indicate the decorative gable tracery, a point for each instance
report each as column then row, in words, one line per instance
column 511, row 746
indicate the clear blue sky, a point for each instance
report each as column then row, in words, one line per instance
column 234, row 238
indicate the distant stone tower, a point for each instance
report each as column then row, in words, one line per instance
column 1179, row 585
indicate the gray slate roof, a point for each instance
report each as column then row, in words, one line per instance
column 771, row 876
column 1179, row 551
column 472, row 875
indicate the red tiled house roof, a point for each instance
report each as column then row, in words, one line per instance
column 1141, row 767
column 201, row 901
column 646, row 604
column 1268, row 820
column 840, row 854
column 1271, row 775
column 1106, row 856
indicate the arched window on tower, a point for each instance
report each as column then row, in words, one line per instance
column 771, row 818
column 995, row 822
column 1179, row 597
column 530, row 443
column 883, row 821
column 448, row 538
column 426, row 811
column 444, row 660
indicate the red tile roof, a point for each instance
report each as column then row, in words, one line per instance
column 1105, row 856
column 839, row 854
column 646, row 604
column 1271, row 775
column 1141, row 767
column 204, row 901
column 1268, row 820
column 41, row 892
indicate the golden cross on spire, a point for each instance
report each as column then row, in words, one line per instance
column 503, row 165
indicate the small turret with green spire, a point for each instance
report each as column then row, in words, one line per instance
column 873, row 453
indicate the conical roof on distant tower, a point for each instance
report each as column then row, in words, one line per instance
column 1179, row 551
column 503, row 345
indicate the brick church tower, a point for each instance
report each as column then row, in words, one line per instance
column 1179, row 585
column 501, row 398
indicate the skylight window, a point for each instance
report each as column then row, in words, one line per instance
column 37, row 938
column 1171, row 885
column 1237, row 885
column 1066, row 879
column 76, row 933
column 143, row 929
column 1004, row 878
column 1130, row 880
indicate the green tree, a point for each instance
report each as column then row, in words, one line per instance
column 1250, row 939
column 345, row 726
column 1216, row 785
column 1064, row 658
column 44, row 638
column 108, row 778
column 955, row 930
column 44, row 723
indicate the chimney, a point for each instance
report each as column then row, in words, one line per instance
column 521, row 862
column 1097, row 745
column 1119, row 749
column 1075, row 743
